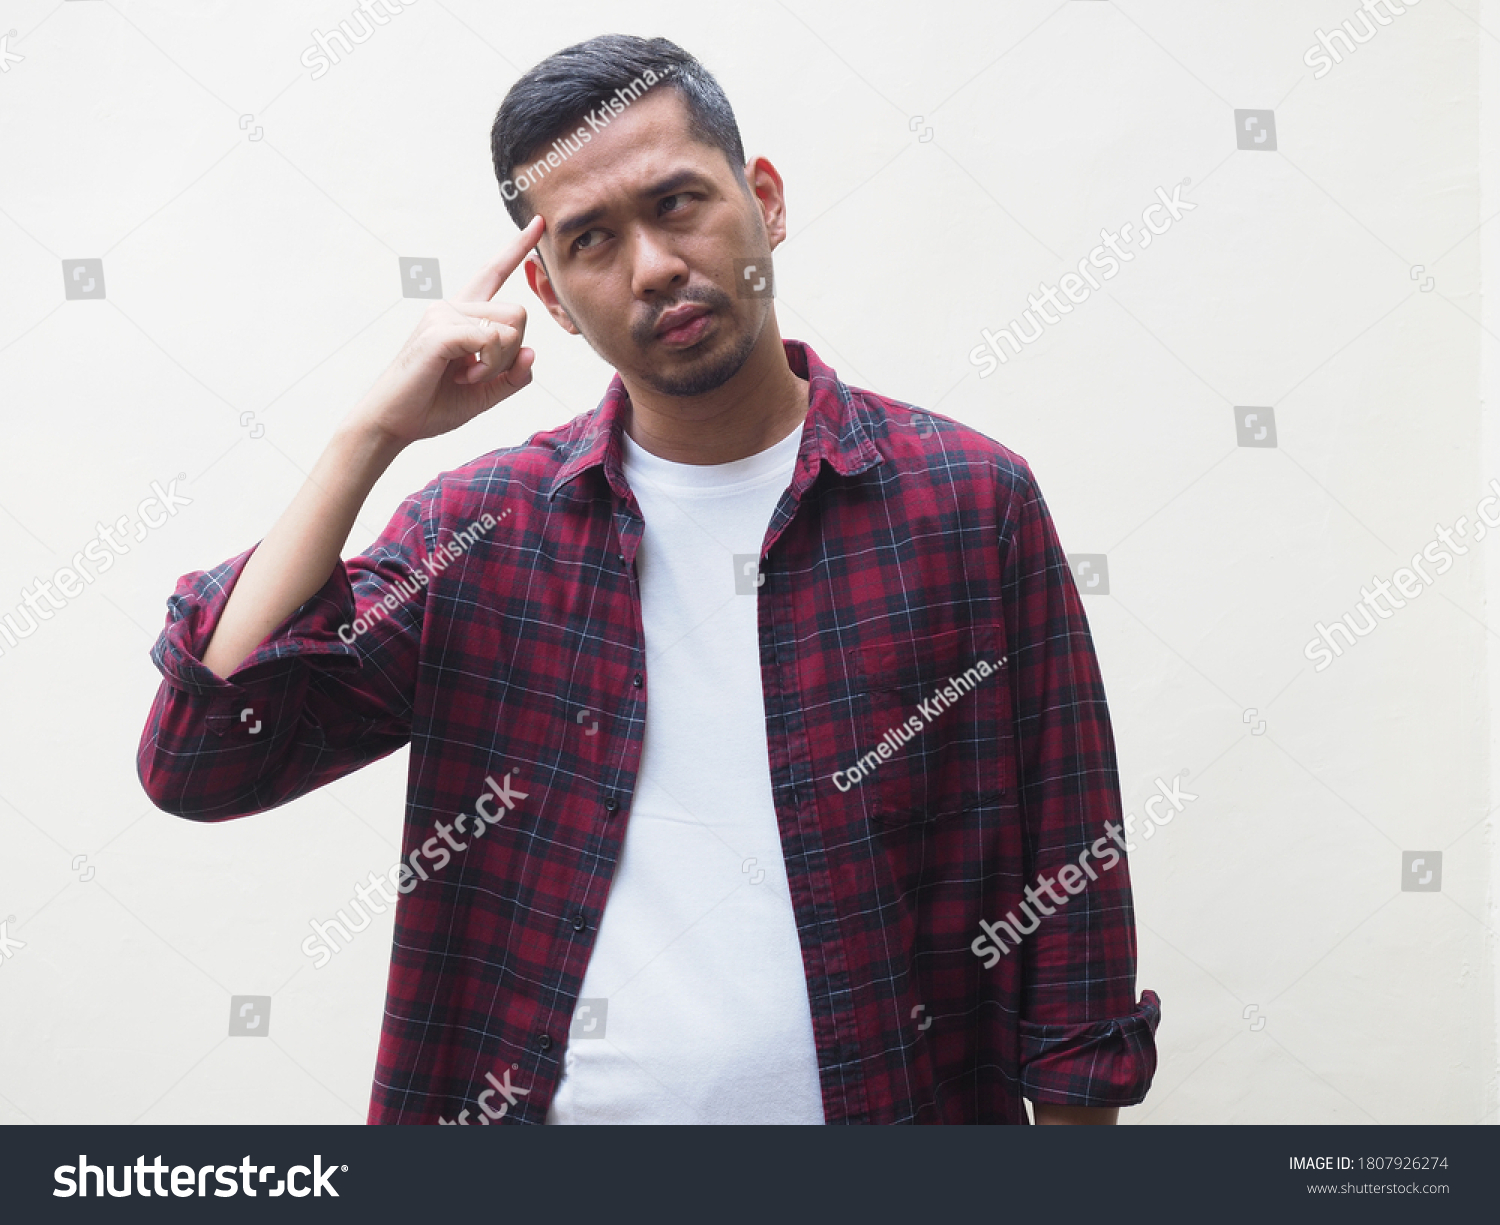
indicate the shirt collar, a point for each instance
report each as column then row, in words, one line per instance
column 835, row 431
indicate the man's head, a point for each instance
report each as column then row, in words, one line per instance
column 629, row 150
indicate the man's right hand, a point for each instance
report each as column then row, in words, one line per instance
column 434, row 385
column 464, row 357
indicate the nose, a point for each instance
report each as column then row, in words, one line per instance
column 656, row 267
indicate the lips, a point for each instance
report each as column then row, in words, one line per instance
column 681, row 323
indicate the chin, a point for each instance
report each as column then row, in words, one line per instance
column 699, row 371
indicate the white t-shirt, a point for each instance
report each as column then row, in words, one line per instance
column 706, row 1017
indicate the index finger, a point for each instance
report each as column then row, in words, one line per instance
column 487, row 284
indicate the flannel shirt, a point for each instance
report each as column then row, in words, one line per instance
column 906, row 548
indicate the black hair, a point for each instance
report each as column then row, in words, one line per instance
column 557, row 95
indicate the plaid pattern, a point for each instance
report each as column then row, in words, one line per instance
column 906, row 547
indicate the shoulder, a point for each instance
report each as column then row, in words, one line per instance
column 916, row 440
column 508, row 478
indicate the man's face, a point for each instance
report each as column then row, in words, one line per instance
column 644, row 225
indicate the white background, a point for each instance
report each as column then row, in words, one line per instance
column 252, row 294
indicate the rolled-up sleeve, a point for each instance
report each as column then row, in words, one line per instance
column 1104, row 1063
column 1084, row 1038
column 328, row 691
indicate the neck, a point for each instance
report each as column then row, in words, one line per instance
column 755, row 409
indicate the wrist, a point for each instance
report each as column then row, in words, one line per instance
column 365, row 445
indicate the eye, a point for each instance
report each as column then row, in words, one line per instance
column 676, row 195
column 580, row 245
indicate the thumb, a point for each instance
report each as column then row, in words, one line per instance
column 519, row 374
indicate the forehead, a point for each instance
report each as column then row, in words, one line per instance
column 645, row 143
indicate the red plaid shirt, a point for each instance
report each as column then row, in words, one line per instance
column 906, row 548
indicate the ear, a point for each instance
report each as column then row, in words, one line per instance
column 766, row 187
column 541, row 285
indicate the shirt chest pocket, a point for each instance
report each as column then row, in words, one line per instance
column 933, row 712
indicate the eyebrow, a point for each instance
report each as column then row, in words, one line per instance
column 579, row 222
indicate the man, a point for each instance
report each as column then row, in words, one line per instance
column 875, row 718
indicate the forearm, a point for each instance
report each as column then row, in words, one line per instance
column 1049, row 1113
column 300, row 551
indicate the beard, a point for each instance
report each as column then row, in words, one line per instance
column 708, row 371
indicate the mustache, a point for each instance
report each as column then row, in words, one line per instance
column 644, row 332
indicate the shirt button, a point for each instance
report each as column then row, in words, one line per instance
column 636, row 680
column 611, row 804
column 579, row 922
column 622, row 559
column 544, row 1042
